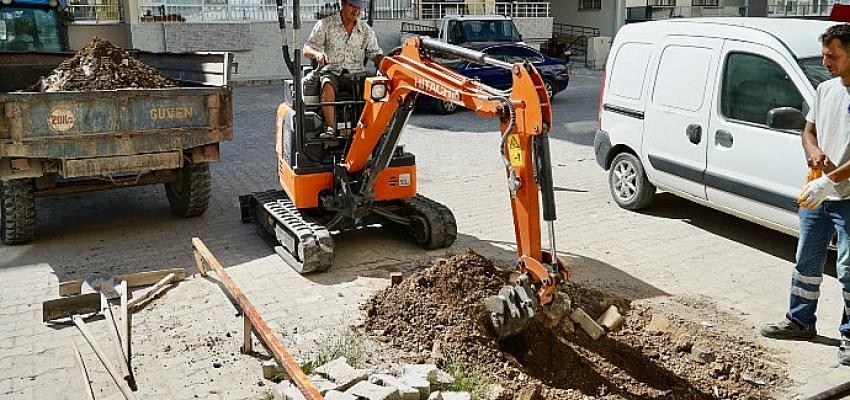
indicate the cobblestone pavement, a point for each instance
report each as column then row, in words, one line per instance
column 675, row 247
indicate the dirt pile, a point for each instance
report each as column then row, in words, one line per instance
column 437, row 312
column 102, row 66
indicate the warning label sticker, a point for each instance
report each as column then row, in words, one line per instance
column 61, row 119
column 514, row 151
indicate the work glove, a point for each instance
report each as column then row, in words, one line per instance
column 816, row 191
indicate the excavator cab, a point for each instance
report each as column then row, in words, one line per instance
column 365, row 178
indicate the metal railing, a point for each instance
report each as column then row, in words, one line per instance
column 653, row 13
column 439, row 9
column 259, row 10
column 96, row 13
column 782, row 9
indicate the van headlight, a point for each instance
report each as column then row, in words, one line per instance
column 53, row 3
column 6, row 2
column 379, row 91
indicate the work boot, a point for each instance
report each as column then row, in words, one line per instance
column 844, row 350
column 788, row 330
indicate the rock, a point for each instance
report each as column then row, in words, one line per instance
column 529, row 393
column 587, row 324
column 658, row 324
column 702, row 354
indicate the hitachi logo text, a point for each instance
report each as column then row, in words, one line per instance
column 437, row 89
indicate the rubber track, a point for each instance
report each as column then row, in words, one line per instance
column 18, row 212
column 440, row 218
column 307, row 246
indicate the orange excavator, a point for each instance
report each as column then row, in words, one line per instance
column 363, row 177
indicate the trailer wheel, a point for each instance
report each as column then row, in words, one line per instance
column 17, row 214
column 189, row 193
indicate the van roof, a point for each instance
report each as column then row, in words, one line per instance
column 477, row 17
column 800, row 36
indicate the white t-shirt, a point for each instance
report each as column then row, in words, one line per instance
column 831, row 115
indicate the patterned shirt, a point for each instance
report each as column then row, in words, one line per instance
column 344, row 51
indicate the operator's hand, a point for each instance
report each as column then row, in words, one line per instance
column 815, row 192
column 817, row 160
column 322, row 59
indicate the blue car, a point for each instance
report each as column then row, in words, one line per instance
column 555, row 72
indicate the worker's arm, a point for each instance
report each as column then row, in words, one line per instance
column 815, row 157
column 817, row 190
column 314, row 49
column 373, row 51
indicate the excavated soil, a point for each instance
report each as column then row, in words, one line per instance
column 102, row 66
column 665, row 350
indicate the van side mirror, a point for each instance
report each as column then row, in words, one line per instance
column 785, row 118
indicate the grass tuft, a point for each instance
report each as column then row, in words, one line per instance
column 349, row 345
column 468, row 378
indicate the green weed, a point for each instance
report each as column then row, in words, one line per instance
column 468, row 378
column 349, row 345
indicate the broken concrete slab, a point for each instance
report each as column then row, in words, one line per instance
column 419, row 383
column 341, row 373
column 322, row 385
column 405, row 391
column 337, row 395
column 371, row 391
column 287, row 391
column 430, row 372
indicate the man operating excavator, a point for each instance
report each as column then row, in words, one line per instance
column 337, row 43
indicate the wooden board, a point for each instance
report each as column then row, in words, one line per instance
column 133, row 280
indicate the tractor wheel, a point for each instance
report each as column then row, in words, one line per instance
column 17, row 214
column 189, row 193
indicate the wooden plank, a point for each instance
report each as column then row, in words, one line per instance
column 123, row 367
column 122, row 385
column 84, row 375
column 260, row 326
column 136, row 279
column 136, row 302
column 69, row 306
column 125, row 323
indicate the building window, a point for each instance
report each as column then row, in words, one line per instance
column 664, row 3
column 705, row 3
column 589, row 5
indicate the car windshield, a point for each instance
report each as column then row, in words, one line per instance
column 814, row 70
column 28, row 29
column 490, row 31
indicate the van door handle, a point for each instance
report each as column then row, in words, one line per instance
column 723, row 138
column 694, row 133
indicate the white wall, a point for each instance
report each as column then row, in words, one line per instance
column 567, row 12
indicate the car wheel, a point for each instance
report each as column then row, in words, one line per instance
column 445, row 107
column 628, row 183
column 550, row 88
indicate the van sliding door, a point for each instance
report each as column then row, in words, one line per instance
column 753, row 169
column 677, row 115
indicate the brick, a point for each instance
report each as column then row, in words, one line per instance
column 588, row 324
column 611, row 319
column 371, row 391
column 405, row 391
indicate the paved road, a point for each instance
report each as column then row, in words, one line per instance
column 674, row 248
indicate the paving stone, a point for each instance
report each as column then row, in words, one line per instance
column 456, row 396
column 337, row 395
column 419, row 383
column 287, row 391
column 430, row 372
column 371, row 391
column 322, row 385
column 405, row 391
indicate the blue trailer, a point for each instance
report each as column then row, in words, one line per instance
column 66, row 142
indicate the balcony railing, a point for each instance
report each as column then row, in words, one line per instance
column 792, row 9
column 439, row 9
column 653, row 13
column 258, row 10
column 96, row 14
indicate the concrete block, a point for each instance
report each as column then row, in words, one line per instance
column 341, row 374
column 322, row 385
column 287, row 391
column 430, row 372
column 405, row 391
column 611, row 319
column 371, row 391
column 435, row 396
column 588, row 324
column 419, row 383
column 337, row 395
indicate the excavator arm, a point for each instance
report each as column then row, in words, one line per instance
column 526, row 117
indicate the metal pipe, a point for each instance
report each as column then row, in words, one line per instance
column 461, row 52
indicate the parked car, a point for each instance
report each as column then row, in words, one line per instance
column 711, row 110
column 555, row 72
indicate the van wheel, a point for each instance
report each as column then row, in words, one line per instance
column 17, row 211
column 628, row 183
column 189, row 193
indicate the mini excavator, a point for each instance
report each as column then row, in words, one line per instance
column 363, row 177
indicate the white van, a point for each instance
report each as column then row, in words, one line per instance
column 711, row 110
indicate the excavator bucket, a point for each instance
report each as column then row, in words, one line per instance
column 510, row 311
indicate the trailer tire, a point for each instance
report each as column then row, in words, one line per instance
column 189, row 193
column 17, row 214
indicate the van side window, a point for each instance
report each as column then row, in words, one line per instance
column 682, row 77
column 628, row 71
column 753, row 85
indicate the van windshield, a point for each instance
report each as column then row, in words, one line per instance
column 490, row 31
column 814, row 70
